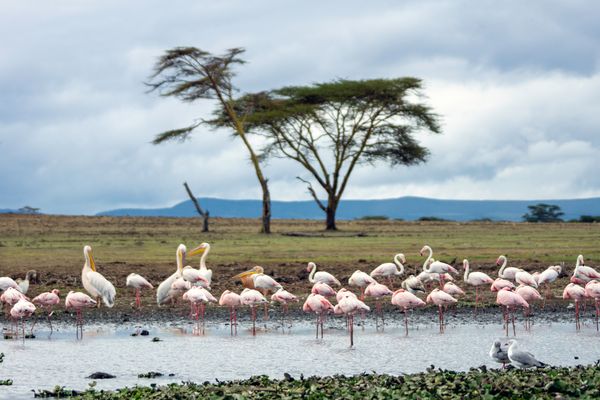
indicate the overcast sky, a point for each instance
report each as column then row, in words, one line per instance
column 517, row 84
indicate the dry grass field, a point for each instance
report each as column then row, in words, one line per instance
column 53, row 246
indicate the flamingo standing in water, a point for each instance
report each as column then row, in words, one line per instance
column 283, row 297
column 46, row 301
column 252, row 298
column 504, row 272
column 9, row 298
column 261, row 281
column 94, row 283
column 510, row 300
column 315, row 303
column 476, row 279
column 389, row 270
column 137, row 282
column 530, row 295
column 198, row 297
column 323, row 289
column 349, row 305
column 377, row 291
column 79, row 301
column 22, row 309
column 441, row 299
column 321, row 276
column 406, row 300
column 576, row 293
column 592, row 290
column 361, row 280
column 437, row 267
column 231, row 300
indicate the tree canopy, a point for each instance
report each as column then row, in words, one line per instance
column 330, row 128
column 542, row 212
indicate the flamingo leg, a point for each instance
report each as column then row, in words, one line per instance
column 138, row 299
column 406, row 320
column 253, row 321
column 441, row 319
column 362, row 294
column 317, row 315
column 513, row 323
column 505, row 313
column 351, row 330
column 577, row 326
column 597, row 312
column 231, row 321
column 476, row 299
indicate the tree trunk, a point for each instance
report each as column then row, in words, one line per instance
column 205, row 221
column 330, row 214
column 266, row 213
column 203, row 214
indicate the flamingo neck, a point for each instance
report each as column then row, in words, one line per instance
column 426, row 263
column 504, row 262
column 466, row 265
column 311, row 276
column 397, row 258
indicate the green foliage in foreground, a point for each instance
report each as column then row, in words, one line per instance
column 548, row 383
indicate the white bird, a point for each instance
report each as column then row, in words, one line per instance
column 499, row 352
column 390, row 269
column 6, row 282
column 323, row 289
column 520, row 358
column 438, row 267
column 164, row 292
column 252, row 298
column 583, row 274
column 79, row 301
column 476, row 279
column 24, row 283
column 413, row 285
column 137, row 282
column 206, row 273
column 22, row 309
column 321, row 276
column 361, row 280
column 452, row 289
column 523, row 277
column 506, row 273
column 96, row 284
column 349, row 305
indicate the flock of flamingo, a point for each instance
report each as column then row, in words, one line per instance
column 193, row 285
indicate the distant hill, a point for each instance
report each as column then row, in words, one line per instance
column 407, row 208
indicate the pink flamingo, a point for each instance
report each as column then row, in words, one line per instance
column 390, row 269
column 342, row 293
column 79, row 301
column 583, row 274
column 361, row 280
column 231, row 300
column 452, row 289
column 440, row 299
column 506, row 273
column 548, row 276
column 323, row 289
column 406, row 300
column 592, row 290
column 47, row 300
column 137, row 282
column 377, row 291
column 283, row 297
column 509, row 300
column 197, row 296
column 530, row 295
column 321, row 276
column 523, row 277
column 349, row 305
column 476, row 279
column 576, row 293
column 437, row 267
column 6, row 282
column 318, row 304
column 252, row 298
column 22, row 309
column 500, row 283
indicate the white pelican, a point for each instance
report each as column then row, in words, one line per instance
column 321, row 276
column 95, row 284
column 30, row 276
column 206, row 273
column 137, row 282
column 163, row 292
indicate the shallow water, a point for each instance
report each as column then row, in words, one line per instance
column 43, row 363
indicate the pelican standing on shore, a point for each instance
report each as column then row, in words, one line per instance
column 96, row 285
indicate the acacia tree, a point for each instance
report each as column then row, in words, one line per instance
column 330, row 128
column 543, row 212
column 191, row 74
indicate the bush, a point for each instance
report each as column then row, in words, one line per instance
column 434, row 219
column 374, row 218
